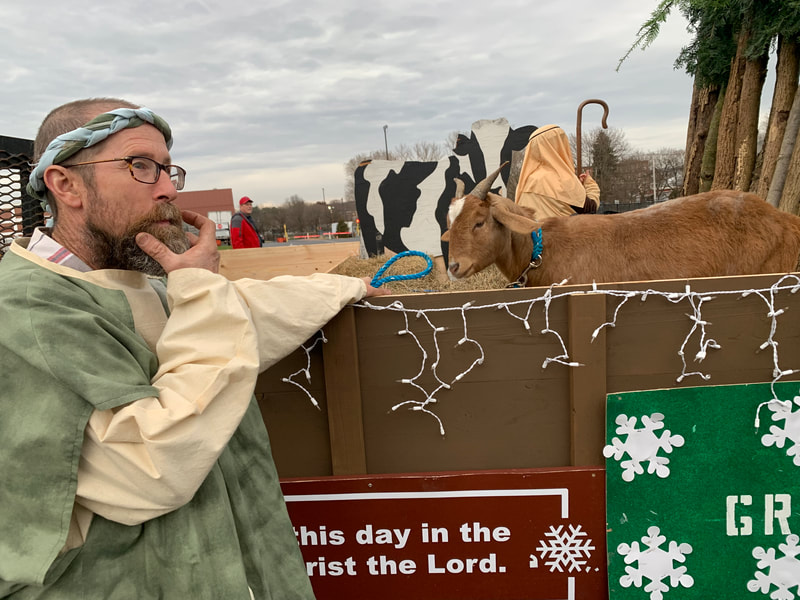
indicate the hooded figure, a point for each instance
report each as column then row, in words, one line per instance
column 547, row 181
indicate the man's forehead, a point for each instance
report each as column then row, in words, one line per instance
column 144, row 138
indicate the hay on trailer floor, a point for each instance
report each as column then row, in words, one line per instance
column 435, row 281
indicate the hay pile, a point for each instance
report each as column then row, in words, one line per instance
column 435, row 281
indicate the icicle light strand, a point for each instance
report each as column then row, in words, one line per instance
column 698, row 327
column 307, row 370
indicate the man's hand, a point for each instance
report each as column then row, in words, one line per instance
column 373, row 291
column 203, row 253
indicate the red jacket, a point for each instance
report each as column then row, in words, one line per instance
column 243, row 234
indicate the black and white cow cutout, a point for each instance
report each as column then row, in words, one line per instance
column 406, row 202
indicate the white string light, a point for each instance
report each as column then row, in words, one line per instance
column 698, row 326
column 307, row 370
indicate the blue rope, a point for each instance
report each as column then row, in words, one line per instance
column 378, row 281
column 536, row 236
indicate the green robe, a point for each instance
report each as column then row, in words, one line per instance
column 69, row 347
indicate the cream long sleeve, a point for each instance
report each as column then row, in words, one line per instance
column 149, row 457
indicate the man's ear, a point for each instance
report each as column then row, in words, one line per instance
column 505, row 212
column 68, row 189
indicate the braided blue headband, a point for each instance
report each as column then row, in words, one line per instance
column 94, row 132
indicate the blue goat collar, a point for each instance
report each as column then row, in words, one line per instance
column 536, row 260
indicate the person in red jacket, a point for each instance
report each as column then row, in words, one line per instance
column 243, row 229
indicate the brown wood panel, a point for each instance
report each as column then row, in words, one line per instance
column 510, row 392
column 587, row 383
column 269, row 262
column 298, row 431
column 343, row 392
column 644, row 346
column 510, row 412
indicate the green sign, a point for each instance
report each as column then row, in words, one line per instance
column 701, row 503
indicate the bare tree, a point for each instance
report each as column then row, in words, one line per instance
column 603, row 149
column 644, row 177
column 270, row 220
column 669, row 164
column 295, row 213
column 633, row 181
column 421, row 151
column 452, row 139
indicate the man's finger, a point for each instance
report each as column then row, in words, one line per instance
column 151, row 246
column 204, row 225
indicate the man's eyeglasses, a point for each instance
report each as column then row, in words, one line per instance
column 145, row 170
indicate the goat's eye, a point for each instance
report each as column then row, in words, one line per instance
column 478, row 225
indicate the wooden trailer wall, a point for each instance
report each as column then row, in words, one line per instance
column 509, row 411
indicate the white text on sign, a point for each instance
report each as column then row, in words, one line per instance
column 776, row 507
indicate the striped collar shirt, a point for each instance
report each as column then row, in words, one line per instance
column 44, row 246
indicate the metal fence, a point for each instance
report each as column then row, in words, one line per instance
column 19, row 213
column 620, row 207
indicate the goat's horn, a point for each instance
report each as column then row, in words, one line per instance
column 482, row 188
column 459, row 188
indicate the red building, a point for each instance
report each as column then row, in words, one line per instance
column 217, row 205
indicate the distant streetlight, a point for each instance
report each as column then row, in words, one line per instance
column 386, row 141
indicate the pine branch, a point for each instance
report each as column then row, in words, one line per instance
column 649, row 31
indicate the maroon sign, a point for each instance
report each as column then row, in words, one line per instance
column 531, row 534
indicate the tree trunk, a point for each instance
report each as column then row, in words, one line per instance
column 704, row 102
column 786, row 74
column 783, row 190
column 747, row 124
column 710, row 154
column 725, row 166
column 790, row 198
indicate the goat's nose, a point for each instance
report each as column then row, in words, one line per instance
column 452, row 270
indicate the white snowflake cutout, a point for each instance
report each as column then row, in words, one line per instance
column 784, row 572
column 655, row 564
column 784, row 411
column 642, row 445
column 565, row 549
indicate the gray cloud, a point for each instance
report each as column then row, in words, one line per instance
column 272, row 98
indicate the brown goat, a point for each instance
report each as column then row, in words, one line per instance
column 711, row 234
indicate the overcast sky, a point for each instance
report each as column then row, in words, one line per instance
column 272, row 98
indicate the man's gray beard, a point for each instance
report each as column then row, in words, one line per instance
column 121, row 251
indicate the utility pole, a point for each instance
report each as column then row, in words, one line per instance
column 386, row 141
column 655, row 196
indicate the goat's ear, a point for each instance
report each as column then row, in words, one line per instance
column 459, row 188
column 502, row 209
column 446, row 236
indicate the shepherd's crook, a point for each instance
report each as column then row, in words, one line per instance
column 578, row 129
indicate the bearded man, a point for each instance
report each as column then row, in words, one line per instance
column 134, row 457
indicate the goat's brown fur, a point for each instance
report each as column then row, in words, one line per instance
column 711, row 234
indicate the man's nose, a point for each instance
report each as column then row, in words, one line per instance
column 166, row 187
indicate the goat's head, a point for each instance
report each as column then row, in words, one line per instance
column 479, row 228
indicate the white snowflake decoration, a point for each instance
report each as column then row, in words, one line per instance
column 784, row 411
column 642, row 445
column 655, row 564
column 782, row 572
column 565, row 549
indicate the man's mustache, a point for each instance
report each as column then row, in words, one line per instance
column 161, row 212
